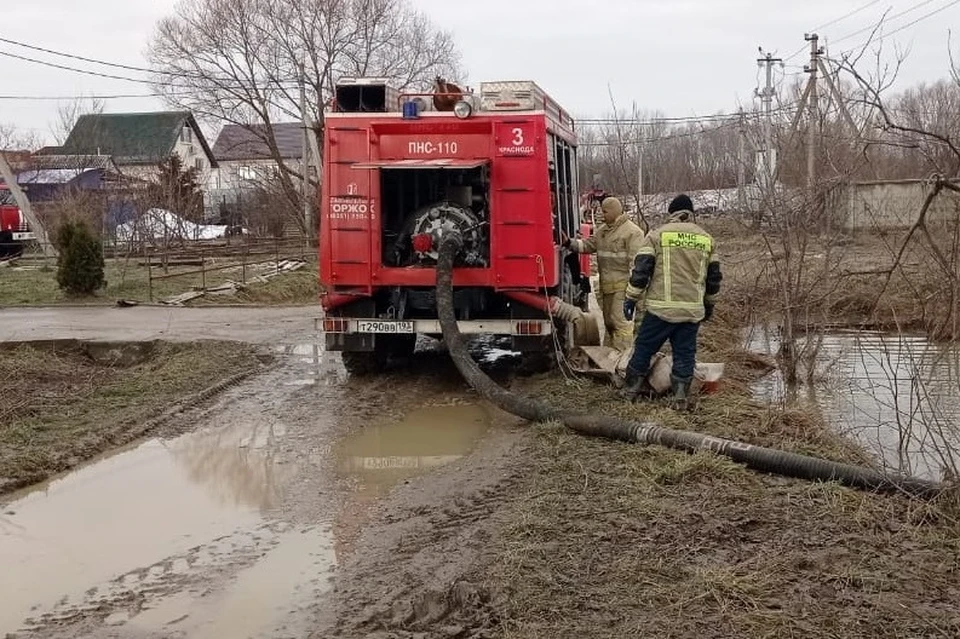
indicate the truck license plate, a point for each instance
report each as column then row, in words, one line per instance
column 380, row 326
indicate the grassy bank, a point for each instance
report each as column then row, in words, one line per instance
column 61, row 407
column 618, row 540
column 33, row 283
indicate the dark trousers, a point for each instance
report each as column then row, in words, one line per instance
column 653, row 333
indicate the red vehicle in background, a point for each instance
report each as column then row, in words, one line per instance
column 14, row 232
column 400, row 169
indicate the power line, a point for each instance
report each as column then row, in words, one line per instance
column 57, row 98
column 845, row 16
column 831, row 23
column 907, row 25
column 115, row 65
column 62, row 67
column 72, row 56
column 110, row 76
column 880, row 22
column 652, row 121
column 720, row 117
column 673, row 136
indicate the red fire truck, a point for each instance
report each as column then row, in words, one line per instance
column 498, row 165
column 14, row 232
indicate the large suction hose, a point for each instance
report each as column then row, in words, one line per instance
column 756, row 457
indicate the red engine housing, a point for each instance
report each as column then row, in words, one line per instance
column 522, row 152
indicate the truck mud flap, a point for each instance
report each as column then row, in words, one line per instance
column 354, row 342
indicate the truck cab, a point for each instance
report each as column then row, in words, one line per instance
column 14, row 231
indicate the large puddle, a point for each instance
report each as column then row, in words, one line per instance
column 187, row 536
column 265, row 600
column 134, row 508
column 899, row 396
column 382, row 455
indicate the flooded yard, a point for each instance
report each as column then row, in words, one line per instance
column 897, row 395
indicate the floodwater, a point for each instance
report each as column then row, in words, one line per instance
column 898, row 395
column 262, row 601
column 382, row 455
column 232, row 530
column 135, row 508
column 318, row 366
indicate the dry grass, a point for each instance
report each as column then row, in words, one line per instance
column 297, row 288
column 58, row 408
column 614, row 540
column 848, row 296
column 617, row 540
column 36, row 284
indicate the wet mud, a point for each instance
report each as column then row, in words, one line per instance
column 257, row 515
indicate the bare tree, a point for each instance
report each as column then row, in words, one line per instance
column 12, row 139
column 242, row 61
column 69, row 112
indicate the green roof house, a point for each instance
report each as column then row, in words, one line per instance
column 139, row 142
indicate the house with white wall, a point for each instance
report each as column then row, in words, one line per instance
column 245, row 162
column 139, row 142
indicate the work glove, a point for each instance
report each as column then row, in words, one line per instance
column 707, row 312
column 629, row 306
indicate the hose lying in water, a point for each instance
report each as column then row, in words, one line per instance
column 755, row 457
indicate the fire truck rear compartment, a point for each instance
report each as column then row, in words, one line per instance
column 417, row 204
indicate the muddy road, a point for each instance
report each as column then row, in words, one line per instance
column 283, row 507
column 281, row 325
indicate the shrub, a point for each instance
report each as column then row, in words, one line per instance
column 80, row 264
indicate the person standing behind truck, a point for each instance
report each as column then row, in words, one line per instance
column 678, row 274
column 616, row 241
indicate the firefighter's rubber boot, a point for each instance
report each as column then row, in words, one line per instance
column 636, row 386
column 681, row 393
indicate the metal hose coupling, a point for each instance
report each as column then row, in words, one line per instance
column 565, row 311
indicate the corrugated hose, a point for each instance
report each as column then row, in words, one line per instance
column 759, row 458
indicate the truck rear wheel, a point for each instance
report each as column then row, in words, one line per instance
column 363, row 363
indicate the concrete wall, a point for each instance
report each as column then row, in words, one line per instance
column 887, row 205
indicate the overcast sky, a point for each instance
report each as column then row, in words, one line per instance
column 683, row 57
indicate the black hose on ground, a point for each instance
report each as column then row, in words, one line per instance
column 755, row 457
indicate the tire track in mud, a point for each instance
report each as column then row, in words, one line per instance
column 413, row 572
column 212, row 566
column 426, row 532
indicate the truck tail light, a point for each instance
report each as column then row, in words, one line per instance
column 335, row 325
column 529, row 327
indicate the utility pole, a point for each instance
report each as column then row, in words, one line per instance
column 639, row 167
column 741, row 166
column 305, row 156
column 813, row 103
column 23, row 203
column 769, row 154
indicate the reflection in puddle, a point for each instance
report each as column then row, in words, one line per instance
column 319, row 367
column 132, row 509
column 261, row 601
column 382, row 455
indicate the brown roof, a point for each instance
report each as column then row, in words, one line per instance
column 237, row 142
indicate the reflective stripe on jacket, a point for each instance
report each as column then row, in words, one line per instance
column 615, row 246
column 682, row 253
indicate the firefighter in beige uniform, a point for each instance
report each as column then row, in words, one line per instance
column 616, row 241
